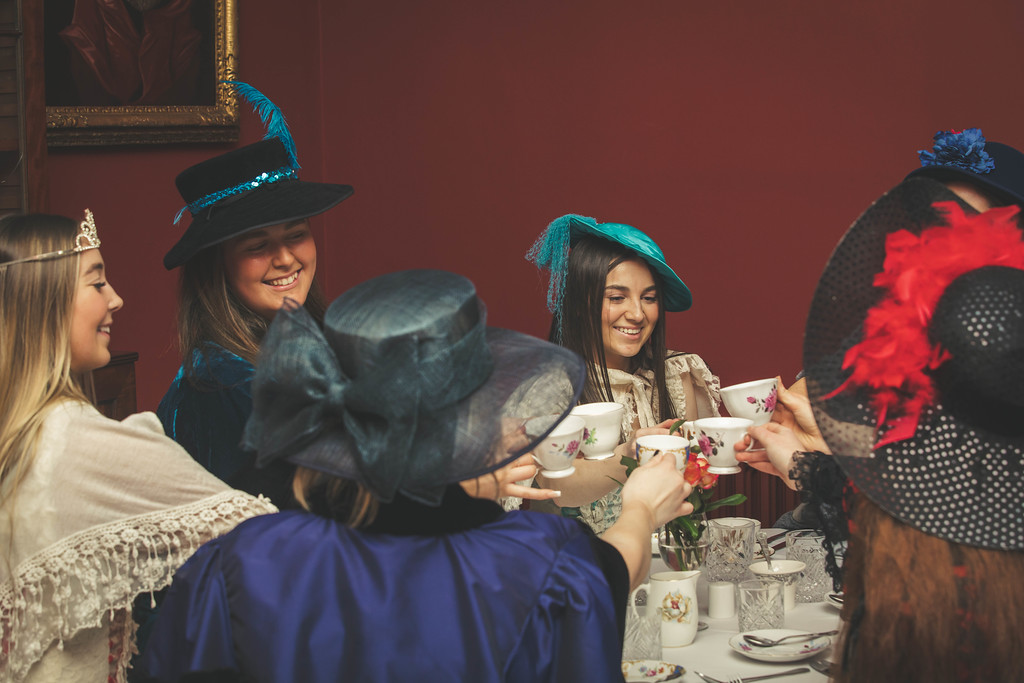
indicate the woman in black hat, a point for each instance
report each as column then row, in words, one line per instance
column 914, row 357
column 392, row 571
column 248, row 247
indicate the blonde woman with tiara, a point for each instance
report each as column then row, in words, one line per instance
column 93, row 512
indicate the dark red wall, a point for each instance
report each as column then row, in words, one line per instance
column 743, row 136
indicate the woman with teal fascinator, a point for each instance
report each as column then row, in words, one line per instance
column 608, row 290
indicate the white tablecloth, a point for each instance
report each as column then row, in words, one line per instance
column 710, row 652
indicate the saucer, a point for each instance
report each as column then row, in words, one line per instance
column 650, row 670
column 835, row 599
column 783, row 652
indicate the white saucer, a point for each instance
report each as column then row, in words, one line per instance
column 783, row 652
column 599, row 457
column 650, row 671
column 725, row 470
column 835, row 602
column 558, row 474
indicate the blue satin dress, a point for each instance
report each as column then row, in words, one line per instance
column 299, row 597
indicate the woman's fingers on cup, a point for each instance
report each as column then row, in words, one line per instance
column 780, row 444
column 530, row 493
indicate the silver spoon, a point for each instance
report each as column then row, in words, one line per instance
column 762, row 540
column 768, row 642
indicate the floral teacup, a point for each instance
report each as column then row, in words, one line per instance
column 555, row 454
column 602, row 429
column 752, row 400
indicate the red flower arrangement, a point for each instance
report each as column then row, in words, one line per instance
column 689, row 528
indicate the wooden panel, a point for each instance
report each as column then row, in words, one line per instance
column 114, row 386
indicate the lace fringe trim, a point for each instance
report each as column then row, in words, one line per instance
column 72, row 584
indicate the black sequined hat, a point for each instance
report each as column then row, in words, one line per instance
column 925, row 412
column 255, row 186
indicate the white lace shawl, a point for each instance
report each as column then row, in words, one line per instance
column 107, row 510
column 638, row 395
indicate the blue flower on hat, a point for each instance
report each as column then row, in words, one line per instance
column 961, row 149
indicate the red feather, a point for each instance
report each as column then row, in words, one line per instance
column 895, row 355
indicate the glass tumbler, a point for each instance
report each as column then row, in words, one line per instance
column 731, row 550
column 759, row 605
column 808, row 546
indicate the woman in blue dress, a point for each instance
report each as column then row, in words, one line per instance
column 392, row 571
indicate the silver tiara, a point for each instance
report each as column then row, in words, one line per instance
column 85, row 239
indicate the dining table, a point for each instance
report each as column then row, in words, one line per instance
column 711, row 654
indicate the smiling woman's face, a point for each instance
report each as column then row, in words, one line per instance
column 630, row 312
column 266, row 265
column 92, row 314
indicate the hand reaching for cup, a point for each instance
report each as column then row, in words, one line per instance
column 779, row 444
column 793, row 410
column 654, row 493
column 661, row 488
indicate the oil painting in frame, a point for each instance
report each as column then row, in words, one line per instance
column 126, row 72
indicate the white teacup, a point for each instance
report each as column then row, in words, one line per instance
column 557, row 451
column 716, row 437
column 647, row 446
column 752, row 400
column 603, row 428
column 786, row 572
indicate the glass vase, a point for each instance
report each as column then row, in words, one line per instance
column 689, row 555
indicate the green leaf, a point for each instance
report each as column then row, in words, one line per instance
column 734, row 499
column 629, row 463
column 676, row 426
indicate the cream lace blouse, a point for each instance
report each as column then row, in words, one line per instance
column 107, row 510
column 693, row 393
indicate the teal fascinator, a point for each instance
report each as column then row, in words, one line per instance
column 551, row 252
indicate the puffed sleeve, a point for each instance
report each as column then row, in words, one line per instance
column 193, row 633
column 688, row 370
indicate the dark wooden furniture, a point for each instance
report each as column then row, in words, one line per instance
column 22, row 108
column 114, row 386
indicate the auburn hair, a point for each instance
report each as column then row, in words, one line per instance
column 920, row 608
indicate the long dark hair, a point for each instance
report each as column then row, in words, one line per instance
column 921, row 608
column 590, row 261
column 210, row 312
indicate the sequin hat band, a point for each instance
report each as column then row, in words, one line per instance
column 264, row 178
column 85, row 239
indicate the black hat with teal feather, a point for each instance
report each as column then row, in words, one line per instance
column 251, row 187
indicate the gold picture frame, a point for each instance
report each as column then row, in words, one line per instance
column 78, row 84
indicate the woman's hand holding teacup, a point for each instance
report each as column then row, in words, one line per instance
column 660, row 487
column 793, row 410
column 776, row 457
column 654, row 494
column 629, row 448
column 505, row 482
